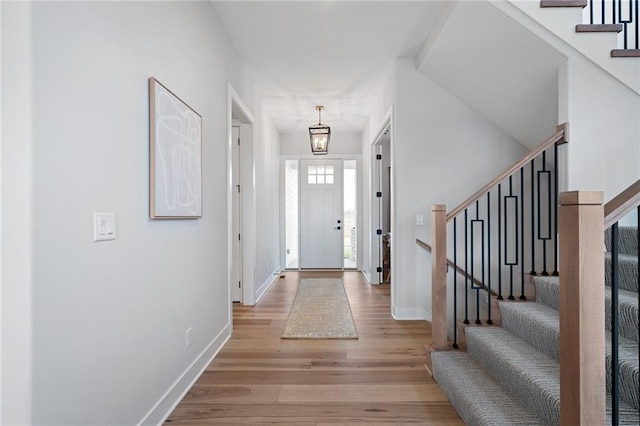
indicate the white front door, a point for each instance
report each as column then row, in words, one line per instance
column 321, row 227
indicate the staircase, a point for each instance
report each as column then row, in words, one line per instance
column 510, row 374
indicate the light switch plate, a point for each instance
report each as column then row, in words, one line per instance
column 104, row 226
column 419, row 220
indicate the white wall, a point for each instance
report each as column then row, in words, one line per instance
column 17, row 214
column 443, row 152
column 341, row 143
column 109, row 318
column 267, row 187
column 604, row 129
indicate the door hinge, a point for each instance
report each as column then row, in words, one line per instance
column 238, row 237
column 238, row 141
column 379, row 231
column 379, row 194
column 238, row 186
column 378, row 156
column 379, row 269
column 239, row 284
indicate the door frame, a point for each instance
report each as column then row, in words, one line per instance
column 376, row 249
column 359, row 203
column 238, row 110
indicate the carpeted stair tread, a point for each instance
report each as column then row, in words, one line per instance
column 534, row 323
column 629, row 378
column 548, row 291
column 627, row 313
column 628, row 415
column 530, row 375
column 547, row 294
column 627, row 239
column 477, row 397
column 627, row 270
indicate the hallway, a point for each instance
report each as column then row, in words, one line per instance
column 257, row 378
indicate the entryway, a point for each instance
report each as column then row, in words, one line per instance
column 320, row 213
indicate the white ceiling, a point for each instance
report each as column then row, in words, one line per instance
column 331, row 53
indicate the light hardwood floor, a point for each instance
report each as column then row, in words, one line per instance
column 258, row 378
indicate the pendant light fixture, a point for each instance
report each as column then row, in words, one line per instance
column 319, row 135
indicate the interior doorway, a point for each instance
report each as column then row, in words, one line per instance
column 241, row 222
column 381, row 218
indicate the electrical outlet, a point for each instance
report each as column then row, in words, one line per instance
column 188, row 337
column 419, row 220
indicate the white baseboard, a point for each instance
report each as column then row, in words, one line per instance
column 163, row 408
column 413, row 313
column 265, row 285
column 367, row 276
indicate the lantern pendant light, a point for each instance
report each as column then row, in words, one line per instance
column 319, row 135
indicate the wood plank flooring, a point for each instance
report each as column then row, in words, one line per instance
column 260, row 379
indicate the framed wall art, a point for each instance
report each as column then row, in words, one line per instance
column 175, row 156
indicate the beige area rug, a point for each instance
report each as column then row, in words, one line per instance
column 320, row 311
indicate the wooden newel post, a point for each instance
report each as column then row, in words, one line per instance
column 582, row 338
column 439, row 276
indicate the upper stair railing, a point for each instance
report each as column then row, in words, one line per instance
column 615, row 15
column 621, row 16
column 500, row 234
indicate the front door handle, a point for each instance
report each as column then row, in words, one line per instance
column 337, row 227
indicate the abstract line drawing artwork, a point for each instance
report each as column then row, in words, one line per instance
column 175, row 154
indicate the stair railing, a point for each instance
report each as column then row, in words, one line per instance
column 614, row 211
column 616, row 15
column 504, row 231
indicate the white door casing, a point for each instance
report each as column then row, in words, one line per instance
column 236, row 265
column 321, row 222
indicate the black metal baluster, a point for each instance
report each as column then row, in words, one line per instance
column 555, row 210
column 540, row 237
column 455, row 283
column 615, row 395
column 591, row 12
column 489, row 321
column 466, row 269
column 477, row 288
column 533, row 230
column 506, row 236
column 637, row 25
column 625, row 21
column 500, row 241
column 522, row 296
column 602, row 6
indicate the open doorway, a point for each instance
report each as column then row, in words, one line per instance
column 381, row 212
column 240, row 202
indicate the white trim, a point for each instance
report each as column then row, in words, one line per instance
column 172, row 397
column 267, row 284
column 410, row 314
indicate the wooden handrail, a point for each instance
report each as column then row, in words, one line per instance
column 560, row 137
column 450, row 263
column 622, row 204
